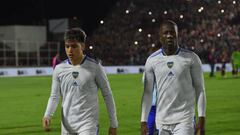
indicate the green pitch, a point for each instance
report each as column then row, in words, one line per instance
column 23, row 101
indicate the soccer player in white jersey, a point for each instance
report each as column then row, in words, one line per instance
column 76, row 82
column 180, row 86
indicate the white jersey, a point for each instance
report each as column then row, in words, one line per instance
column 78, row 88
column 180, row 83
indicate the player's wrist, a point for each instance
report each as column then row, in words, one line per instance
column 143, row 123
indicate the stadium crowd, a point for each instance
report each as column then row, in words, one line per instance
column 129, row 33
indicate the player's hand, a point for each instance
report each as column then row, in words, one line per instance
column 112, row 131
column 144, row 129
column 200, row 129
column 46, row 123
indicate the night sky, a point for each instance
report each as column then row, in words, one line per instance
column 37, row 12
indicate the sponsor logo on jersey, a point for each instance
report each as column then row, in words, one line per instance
column 170, row 64
column 75, row 74
column 75, row 83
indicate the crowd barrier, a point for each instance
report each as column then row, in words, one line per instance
column 45, row 71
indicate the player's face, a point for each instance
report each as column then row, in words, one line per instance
column 169, row 36
column 74, row 49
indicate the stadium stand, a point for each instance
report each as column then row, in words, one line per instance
column 130, row 31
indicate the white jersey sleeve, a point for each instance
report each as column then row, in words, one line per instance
column 148, row 92
column 54, row 96
column 198, row 84
column 103, row 84
column 154, row 91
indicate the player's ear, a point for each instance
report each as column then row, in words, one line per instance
column 83, row 46
column 161, row 39
column 160, row 36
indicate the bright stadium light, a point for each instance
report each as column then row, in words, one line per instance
column 165, row 12
column 153, row 45
column 153, row 20
column 201, row 40
column 234, row 2
column 150, row 13
column 140, row 29
column 136, row 42
column 127, row 11
column 218, row 35
column 181, row 16
column 101, row 22
column 149, row 35
column 219, row 2
column 222, row 11
column 199, row 10
column 90, row 47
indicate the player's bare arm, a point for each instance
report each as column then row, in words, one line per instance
column 112, row 131
column 144, row 129
column 200, row 129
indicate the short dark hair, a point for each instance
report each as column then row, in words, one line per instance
column 75, row 34
column 169, row 22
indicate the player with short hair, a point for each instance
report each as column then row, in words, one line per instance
column 76, row 81
column 180, row 84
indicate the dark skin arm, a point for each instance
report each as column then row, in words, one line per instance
column 112, row 131
column 144, row 129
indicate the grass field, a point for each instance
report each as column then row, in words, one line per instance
column 23, row 101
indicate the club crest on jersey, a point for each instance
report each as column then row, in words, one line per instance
column 170, row 64
column 75, row 74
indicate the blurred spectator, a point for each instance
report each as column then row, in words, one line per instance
column 212, row 60
column 56, row 60
column 224, row 59
column 235, row 59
